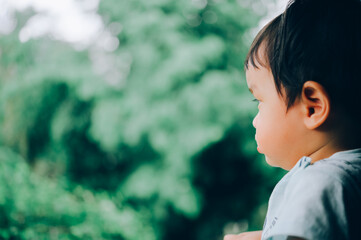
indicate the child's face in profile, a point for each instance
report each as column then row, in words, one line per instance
column 278, row 131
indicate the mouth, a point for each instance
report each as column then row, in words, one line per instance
column 258, row 148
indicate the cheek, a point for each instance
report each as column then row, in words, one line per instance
column 268, row 129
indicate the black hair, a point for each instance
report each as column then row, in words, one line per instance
column 266, row 39
column 318, row 40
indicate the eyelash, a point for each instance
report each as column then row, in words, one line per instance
column 255, row 100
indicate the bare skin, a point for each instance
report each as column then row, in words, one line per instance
column 255, row 235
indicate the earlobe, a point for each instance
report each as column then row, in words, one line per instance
column 316, row 104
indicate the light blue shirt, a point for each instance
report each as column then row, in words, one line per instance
column 317, row 201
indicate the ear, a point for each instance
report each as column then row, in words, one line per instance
column 316, row 104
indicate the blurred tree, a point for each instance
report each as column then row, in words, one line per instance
column 150, row 141
column 32, row 208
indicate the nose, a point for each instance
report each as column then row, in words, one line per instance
column 254, row 122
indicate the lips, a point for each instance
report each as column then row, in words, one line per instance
column 258, row 148
column 255, row 138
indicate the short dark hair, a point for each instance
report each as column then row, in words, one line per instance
column 318, row 40
column 266, row 39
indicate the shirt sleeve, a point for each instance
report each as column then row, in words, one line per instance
column 312, row 208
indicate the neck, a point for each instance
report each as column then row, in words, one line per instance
column 325, row 150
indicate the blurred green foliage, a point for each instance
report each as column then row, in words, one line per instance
column 150, row 141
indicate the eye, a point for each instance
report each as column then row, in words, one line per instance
column 255, row 100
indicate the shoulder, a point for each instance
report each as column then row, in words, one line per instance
column 314, row 180
column 331, row 175
column 313, row 205
column 328, row 185
column 317, row 188
column 320, row 201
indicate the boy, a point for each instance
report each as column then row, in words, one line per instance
column 303, row 68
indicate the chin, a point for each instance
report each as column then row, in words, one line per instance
column 270, row 162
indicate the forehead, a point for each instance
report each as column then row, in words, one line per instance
column 258, row 56
column 257, row 75
column 260, row 80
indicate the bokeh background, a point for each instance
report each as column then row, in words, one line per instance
column 129, row 119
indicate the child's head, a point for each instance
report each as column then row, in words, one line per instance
column 309, row 57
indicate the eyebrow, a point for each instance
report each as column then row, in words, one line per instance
column 251, row 88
